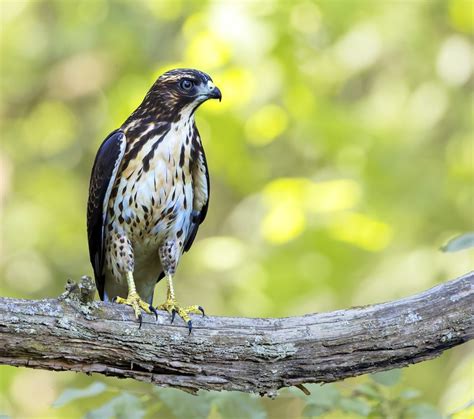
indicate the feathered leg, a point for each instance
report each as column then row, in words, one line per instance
column 168, row 253
column 135, row 301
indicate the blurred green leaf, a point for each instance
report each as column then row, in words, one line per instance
column 312, row 410
column 239, row 405
column 124, row 406
column 72, row 394
column 387, row 378
column 410, row 393
column 423, row 411
column 183, row 405
column 462, row 242
column 354, row 405
column 324, row 395
column 369, row 391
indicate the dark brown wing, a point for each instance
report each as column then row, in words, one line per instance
column 201, row 190
column 104, row 172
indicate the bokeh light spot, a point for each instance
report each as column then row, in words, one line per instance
column 206, row 51
column 332, row 195
column 455, row 60
column 220, row 253
column 461, row 15
column 290, row 200
column 235, row 24
column 237, row 85
column 360, row 48
column 283, row 223
column 266, row 125
column 361, row 231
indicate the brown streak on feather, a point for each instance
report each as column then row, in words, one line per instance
column 181, row 156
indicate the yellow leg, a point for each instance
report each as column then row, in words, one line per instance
column 172, row 307
column 134, row 300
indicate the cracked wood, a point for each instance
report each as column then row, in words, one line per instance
column 251, row 355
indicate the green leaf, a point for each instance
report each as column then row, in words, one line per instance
column 240, row 405
column 312, row 410
column 354, row 405
column 294, row 391
column 72, row 394
column 369, row 391
column 410, row 393
column 423, row 411
column 124, row 406
column 184, row 405
column 387, row 378
column 324, row 395
column 461, row 242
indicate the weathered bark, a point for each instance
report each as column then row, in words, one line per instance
column 252, row 355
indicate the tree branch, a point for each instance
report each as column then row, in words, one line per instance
column 251, row 355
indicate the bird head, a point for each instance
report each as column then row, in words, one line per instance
column 183, row 89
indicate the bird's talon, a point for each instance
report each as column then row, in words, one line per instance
column 153, row 310
column 172, row 307
column 137, row 304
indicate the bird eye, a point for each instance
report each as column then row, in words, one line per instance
column 186, row 84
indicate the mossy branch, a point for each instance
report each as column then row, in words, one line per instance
column 251, row 355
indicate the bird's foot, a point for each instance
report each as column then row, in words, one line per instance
column 137, row 304
column 172, row 307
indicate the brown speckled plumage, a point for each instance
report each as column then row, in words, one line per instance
column 149, row 187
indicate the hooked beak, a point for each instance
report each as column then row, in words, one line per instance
column 208, row 91
column 215, row 93
column 212, row 91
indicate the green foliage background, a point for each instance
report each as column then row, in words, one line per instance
column 341, row 156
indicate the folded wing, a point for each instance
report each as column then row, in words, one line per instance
column 201, row 190
column 104, row 172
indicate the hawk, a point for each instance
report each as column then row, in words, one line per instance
column 148, row 194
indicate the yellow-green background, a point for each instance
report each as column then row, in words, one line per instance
column 341, row 156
